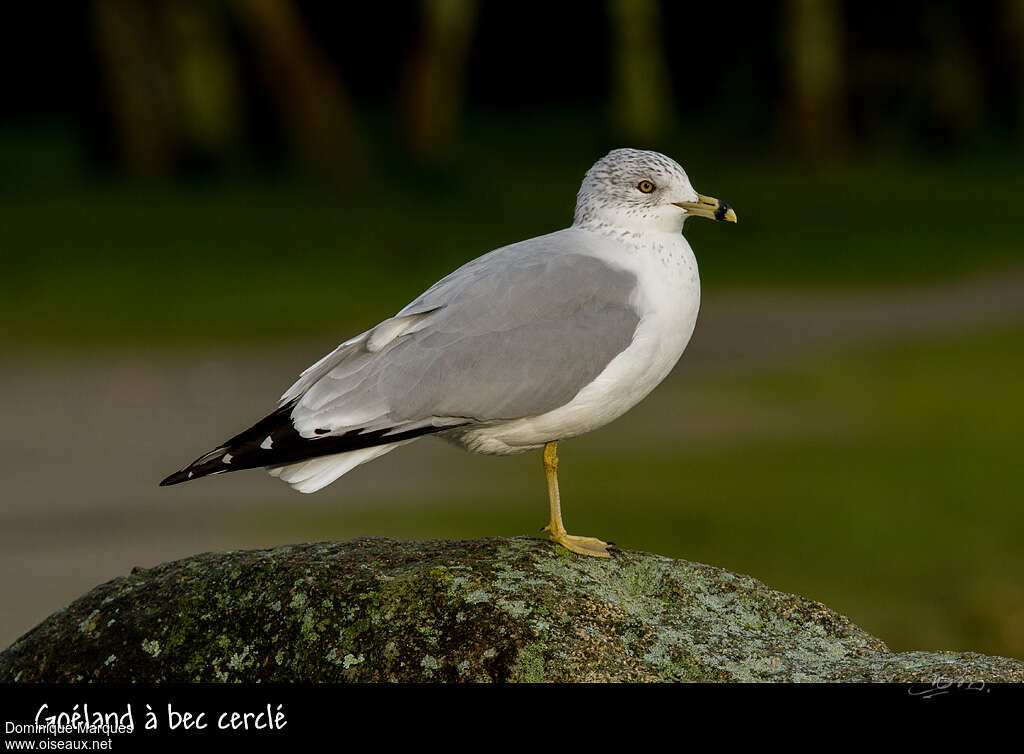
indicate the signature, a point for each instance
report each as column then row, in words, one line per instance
column 942, row 685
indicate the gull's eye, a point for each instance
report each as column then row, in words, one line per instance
column 645, row 186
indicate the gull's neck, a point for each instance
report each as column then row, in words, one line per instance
column 607, row 219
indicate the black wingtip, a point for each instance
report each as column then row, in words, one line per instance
column 176, row 478
column 208, row 463
column 284, row 445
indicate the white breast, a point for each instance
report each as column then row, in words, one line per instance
column 668, row 298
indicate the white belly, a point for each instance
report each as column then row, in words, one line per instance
column 668, row 300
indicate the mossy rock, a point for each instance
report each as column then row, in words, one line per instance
column 488, row 610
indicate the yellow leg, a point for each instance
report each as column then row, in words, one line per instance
column 581, row 545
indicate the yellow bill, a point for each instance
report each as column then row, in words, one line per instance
column 709, row 207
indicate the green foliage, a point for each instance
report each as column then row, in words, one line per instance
column 259, row 259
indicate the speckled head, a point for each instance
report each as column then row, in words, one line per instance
column 642, row 191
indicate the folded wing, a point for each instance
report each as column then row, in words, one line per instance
column 515, row 333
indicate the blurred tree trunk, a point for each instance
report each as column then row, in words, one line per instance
column 171, row 83
column 138, row 85
column 954, row 79
column 431, row 100
column 205, row 76
column 306, row 89
column 815, row 117
column 642, row 93
column 1015, row 23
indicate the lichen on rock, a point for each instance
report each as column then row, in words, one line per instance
column 491, row 610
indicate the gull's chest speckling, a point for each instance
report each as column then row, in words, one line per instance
column 667, row 298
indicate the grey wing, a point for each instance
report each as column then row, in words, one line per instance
column 515, row 333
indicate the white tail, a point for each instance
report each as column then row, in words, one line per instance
column 316, row 473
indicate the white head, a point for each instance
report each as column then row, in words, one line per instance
column 642, row 191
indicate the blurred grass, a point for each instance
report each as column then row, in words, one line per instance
column 886, row 484
column 254, row 258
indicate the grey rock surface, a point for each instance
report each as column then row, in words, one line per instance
column 487, row 610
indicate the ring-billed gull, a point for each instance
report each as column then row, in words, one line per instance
column 520, row 348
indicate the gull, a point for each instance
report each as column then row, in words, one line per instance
column 529, row 344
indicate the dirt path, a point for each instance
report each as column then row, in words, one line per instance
column 757, row 329
column 88, row 435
